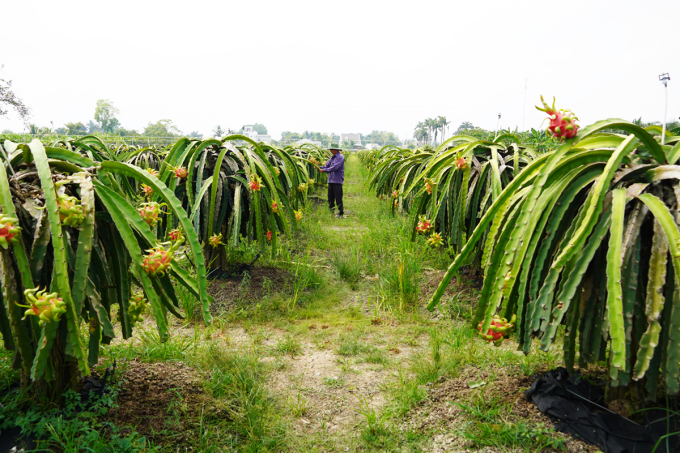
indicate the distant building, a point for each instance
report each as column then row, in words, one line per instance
column 372, row 146
column 356, row 138
column 249, row 132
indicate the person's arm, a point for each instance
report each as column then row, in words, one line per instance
column 336, row 165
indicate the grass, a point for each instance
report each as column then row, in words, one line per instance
column 349, row 323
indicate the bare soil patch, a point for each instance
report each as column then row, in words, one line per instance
column 259, row 281
column 440, row 414
column 159, row 399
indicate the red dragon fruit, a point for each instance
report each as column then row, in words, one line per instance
column 461, row 164
column 48, row 307
column 215, row 240
column 298, row 215
column 499, row 329
column 269, row 235
column 158, row 260
column 562, row 123
column 424, row 225
column 151, row 212
column 255, row 183
column 152, row 172
column 428, row 185
column 276, row 207
column 176, row 235
column 147, row 190
column 395, row 194
column 8, row 230
column 181, row 172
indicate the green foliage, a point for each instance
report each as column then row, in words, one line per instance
column 161, row 128
column 105, row 114
column 581, row 235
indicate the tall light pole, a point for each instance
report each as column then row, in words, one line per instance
column 664, row 78
column 497, row 124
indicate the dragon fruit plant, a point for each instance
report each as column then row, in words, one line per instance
column 151, row 212
column 562, row 122
column 424, row 225
column 499, row 329
column 8, row 230
column 137, row 306
column 48, row 307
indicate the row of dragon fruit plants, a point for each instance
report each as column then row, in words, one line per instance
column 581, row 239
column 89, row 235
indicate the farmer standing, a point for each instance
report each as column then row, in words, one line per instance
column 335, row 168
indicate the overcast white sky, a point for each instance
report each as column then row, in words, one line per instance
column 342, row 66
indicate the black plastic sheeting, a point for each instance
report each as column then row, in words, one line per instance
column 576, row 407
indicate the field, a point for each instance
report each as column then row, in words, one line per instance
column 241, row 315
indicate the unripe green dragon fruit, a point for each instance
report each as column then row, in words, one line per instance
column 562, row 123
column 8, row 230
column 435, row 240
column 137, row 306
column 48, row 307
column 71, row 212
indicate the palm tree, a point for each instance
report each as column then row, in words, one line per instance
column 443, row 124
column 433, row 126
column 420, row 133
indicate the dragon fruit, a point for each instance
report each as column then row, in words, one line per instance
column 176, row 235
column 313, row 161
column 269, row 235
column 8, row 230
column 71, row 212
column 499, row 329
column 277, row 171
column 461, row 163
column 152, row 172
column 147, row 190
column 137, row 306
column 298, row 215
column 435, row 240
column 276, row 207
column 562, row 123
column 48, row 307
column 302, row 187
column 424, row 225
column 428, row 185
column 181, row 172
column 158, row 260
column 255, row 183
column 395, row 194
column 151, row 212
column 215, row 240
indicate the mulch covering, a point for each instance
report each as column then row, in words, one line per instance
column 576, row 407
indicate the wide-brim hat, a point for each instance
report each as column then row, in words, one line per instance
column 335, row 146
